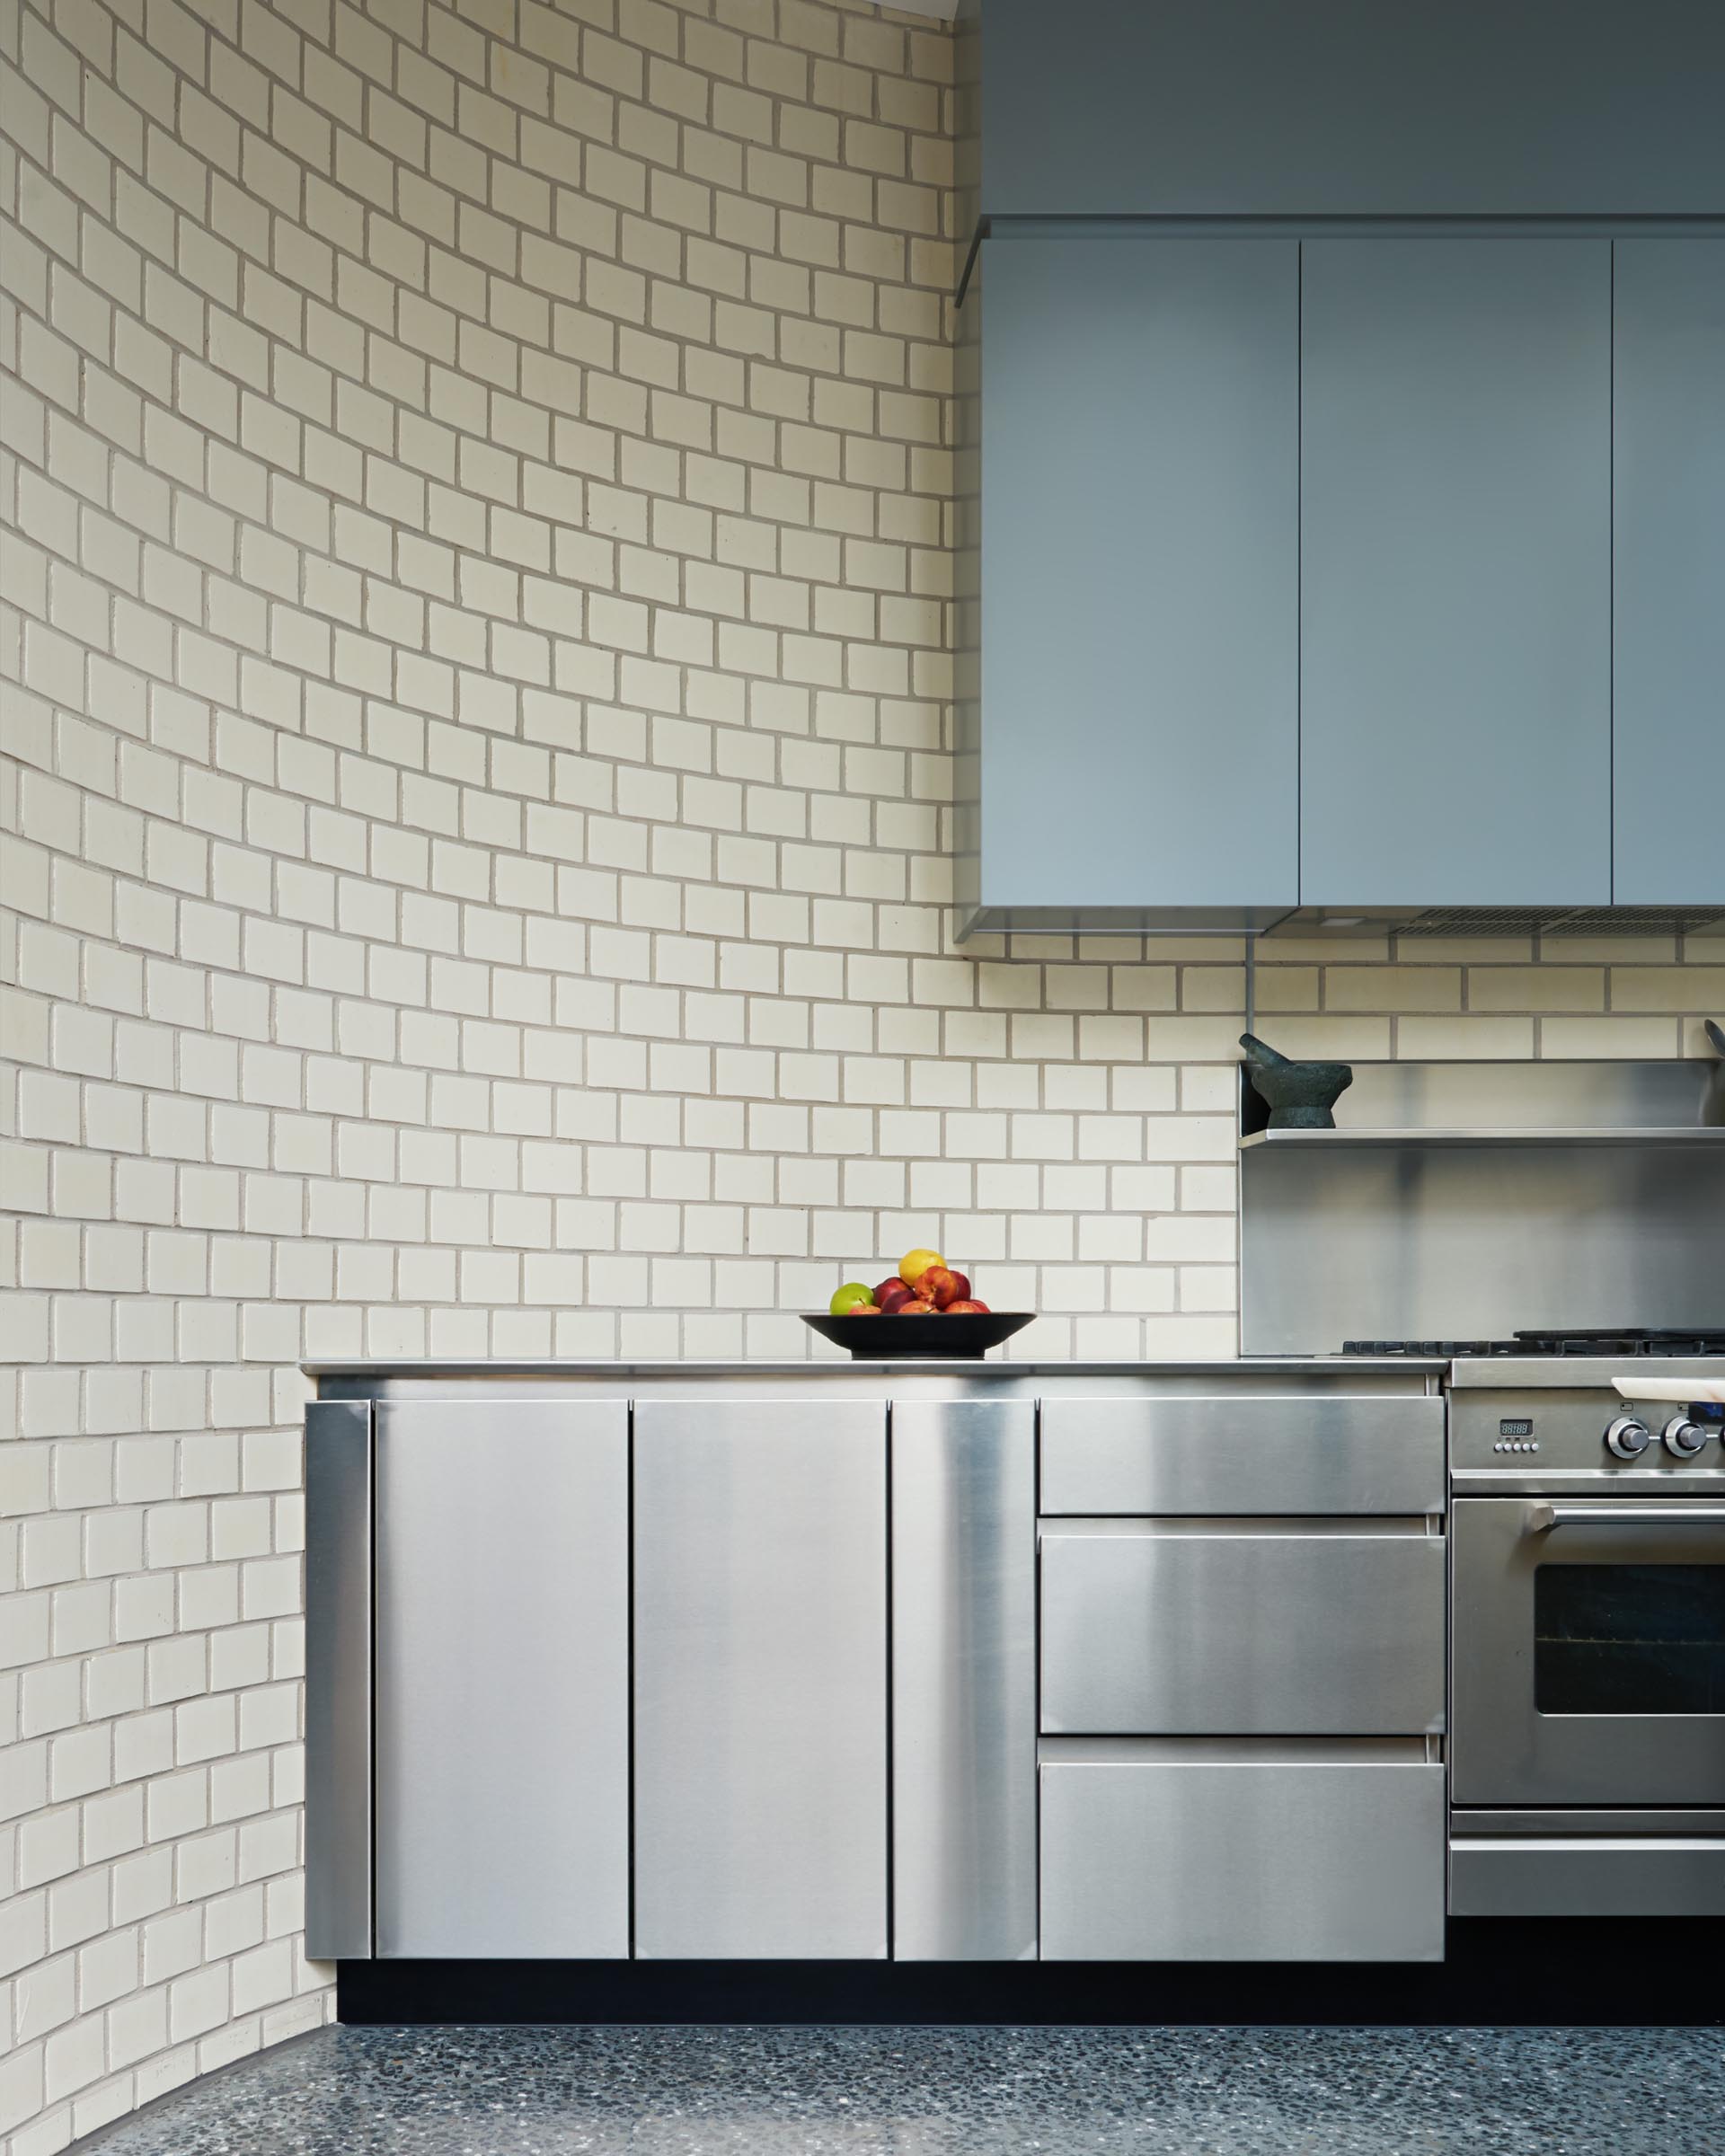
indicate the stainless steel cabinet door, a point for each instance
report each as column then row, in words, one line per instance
column 1669, row 596
column 338, row 1680
column 761, row 1705
column 1300, row 1452
column 1140, row 472
column 1456, row 570
column 1287, row 1860
column 502, row 1679
column 964, row 1680
column 1167, row 1627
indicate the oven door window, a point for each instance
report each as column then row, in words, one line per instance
column 1628, row 1639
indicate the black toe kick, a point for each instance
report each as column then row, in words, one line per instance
column 1576, row 1972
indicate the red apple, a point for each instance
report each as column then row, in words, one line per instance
column 965, row 1309
column 962, row 1291
column 891, row 1294
column 915, row 1307
column 863, row 1310
column 938, row 1286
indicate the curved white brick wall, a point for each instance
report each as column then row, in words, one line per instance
column 474, row 484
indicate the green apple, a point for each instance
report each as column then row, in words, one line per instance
column 846, row 1298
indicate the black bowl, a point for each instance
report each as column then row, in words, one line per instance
column 966, row 1336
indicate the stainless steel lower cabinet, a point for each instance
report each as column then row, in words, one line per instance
column 964, row 1680
column 1241, row 1628
column 338, row 1680
column 761, row 1711
column 1243, row 1852
column 502, row 1678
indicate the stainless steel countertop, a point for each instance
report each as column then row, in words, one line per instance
column 404, row 1377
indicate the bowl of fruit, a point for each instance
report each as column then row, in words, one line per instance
column 888, row 1323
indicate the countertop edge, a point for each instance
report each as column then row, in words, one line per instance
column 1322, row 1366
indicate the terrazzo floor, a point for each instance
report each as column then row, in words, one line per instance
column 773, row 2091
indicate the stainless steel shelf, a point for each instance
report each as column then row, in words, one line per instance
column 1694, row 1135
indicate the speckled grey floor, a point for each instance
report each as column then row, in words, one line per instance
column 954, row 2092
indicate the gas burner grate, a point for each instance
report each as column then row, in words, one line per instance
column 1628, row 1340
column 1432, row 1351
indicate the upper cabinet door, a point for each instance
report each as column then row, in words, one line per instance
column 1455, row 571
column 1668, row 652
column 1139, row 552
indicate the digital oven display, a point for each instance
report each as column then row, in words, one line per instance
column 1516, row 1425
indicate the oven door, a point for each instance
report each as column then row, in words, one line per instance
column 1587, row 1651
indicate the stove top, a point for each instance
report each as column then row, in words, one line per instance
column 1611, row 1340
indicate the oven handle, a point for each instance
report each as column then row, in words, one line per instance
column 1543, row 1518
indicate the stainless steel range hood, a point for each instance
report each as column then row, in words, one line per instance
column 1502, row 921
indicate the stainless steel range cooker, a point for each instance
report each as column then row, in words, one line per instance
column 1588, row 1629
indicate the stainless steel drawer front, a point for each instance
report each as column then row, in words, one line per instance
column 1149, row 1629
column 1587, row 1874
column 338, row 1680
column 502, row 1678
column 1285, row 1860
column 1237, row 1453
column 964, row 1681
column 761, row 1709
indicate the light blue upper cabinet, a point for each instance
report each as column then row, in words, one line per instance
column 1455, row 571
column 1668, row 653
column 1347, row 108
column 1139, row 612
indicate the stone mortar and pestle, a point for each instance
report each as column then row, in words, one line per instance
column 1300, row 1096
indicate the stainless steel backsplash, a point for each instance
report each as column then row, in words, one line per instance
column 1463, row 1221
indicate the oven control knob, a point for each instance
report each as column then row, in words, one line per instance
column 1684, row 1437
column 1629, row 1437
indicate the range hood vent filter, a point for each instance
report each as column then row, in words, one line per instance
column 1569, row 921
